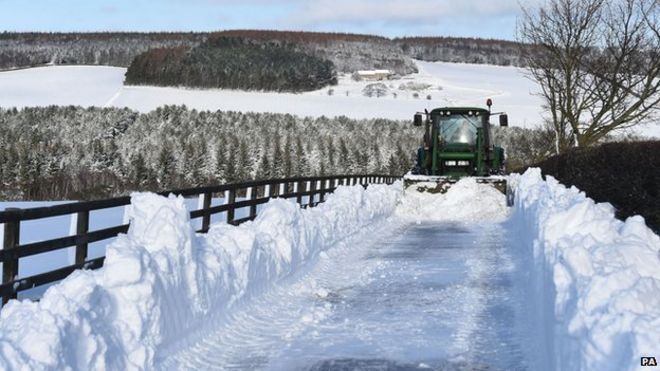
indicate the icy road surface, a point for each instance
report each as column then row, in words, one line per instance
column 420, row 296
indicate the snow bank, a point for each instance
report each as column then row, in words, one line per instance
column 162, row 281
column 465, row 201
column 594, row 288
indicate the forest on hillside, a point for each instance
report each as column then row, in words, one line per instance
column 348, row 52
column 19, row 50
column 463, row 50
column 233, row 63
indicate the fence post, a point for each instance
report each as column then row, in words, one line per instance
column 231, row 200
column 312, row 189
column 322, row 188
column 82, row 227
column 12, row 238
column 206, row 219
column 253, row 196
column 299, row 187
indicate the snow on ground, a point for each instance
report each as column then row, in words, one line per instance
column 594, row 282
column 371, row 278
column 61, row 85
column 465, row 201
column 430, row 296
column 61, row 226
column 448, row 84
column 161, row 280
column 436, row 295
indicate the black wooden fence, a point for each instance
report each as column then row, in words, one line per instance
column 308, row 192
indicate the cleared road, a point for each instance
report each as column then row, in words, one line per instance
column 422, row 296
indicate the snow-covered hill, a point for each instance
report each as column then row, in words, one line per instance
column 448, row 84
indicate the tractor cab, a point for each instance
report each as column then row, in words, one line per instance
column 457, row 142
column 459, row 128
column 457, row 133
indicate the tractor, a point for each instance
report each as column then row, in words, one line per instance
column 457, row 143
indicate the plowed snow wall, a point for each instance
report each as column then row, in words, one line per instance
column 594, row 285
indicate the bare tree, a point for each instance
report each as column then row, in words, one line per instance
column 597, row 63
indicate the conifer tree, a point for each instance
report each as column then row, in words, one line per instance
column 278, row 158
column 288, row 158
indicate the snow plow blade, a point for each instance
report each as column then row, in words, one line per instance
column 440, row 184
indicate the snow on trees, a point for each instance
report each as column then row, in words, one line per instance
column 73, row 152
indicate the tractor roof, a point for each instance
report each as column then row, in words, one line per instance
column 458, row 109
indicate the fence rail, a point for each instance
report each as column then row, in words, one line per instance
column 256, row 193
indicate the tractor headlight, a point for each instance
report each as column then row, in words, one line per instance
column 450, row 163
column 463, row 163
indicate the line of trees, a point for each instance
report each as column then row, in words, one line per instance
column 52, row 153
column 463, row 50
column 82, row 153
column 19, row 50
column 348, row 52
column 233, row 63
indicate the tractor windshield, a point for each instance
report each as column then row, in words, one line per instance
column 459, row 128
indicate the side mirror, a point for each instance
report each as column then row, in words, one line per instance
column 504, row 120
column 418, row 121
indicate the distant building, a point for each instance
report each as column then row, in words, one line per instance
column 375, row 75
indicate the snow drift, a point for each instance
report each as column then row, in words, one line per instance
column 465, row 201
column 161, row 280
column 594, row 289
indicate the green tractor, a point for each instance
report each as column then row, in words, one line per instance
column 457, row 143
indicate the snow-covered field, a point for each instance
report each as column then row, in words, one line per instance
column 372, row 278
column 448, row 84
column 61, row 85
